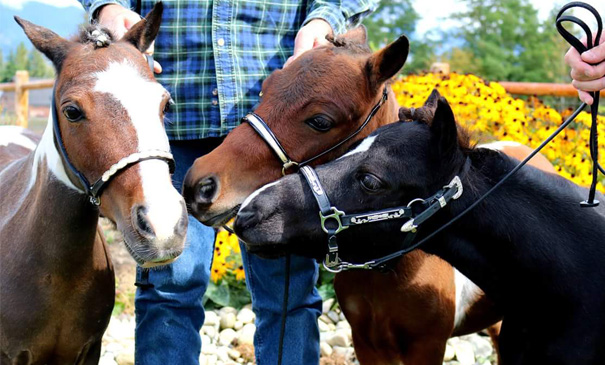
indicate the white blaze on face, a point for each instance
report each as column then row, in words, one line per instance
column 363, row 146
column 142, row 98
column 254, row 194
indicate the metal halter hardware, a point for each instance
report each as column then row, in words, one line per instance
column 263, row 130
column 428, row 207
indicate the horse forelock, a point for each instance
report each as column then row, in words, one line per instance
column 96, row 35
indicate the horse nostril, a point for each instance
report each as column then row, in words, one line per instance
column 207, row 190
column 142, row 222
column 246, row 219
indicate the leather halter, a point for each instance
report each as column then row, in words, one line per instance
column 416, row 211
column 263, row 130
column 94, row 191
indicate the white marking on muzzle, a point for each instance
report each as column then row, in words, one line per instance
column 142, row 98
column 255, row 194
column 363, row 146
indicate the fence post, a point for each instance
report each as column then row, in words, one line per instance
column 21, row 98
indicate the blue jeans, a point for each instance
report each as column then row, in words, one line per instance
column 168, row 301
column 265, row 280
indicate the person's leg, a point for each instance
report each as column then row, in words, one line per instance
column 168, row 301
column 265, row 280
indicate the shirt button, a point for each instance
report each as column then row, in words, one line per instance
column 221, row 42
column 215, row 92
column 214, row 102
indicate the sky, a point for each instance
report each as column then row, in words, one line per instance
column 438, row 9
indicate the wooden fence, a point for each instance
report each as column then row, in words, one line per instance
column 22, row 85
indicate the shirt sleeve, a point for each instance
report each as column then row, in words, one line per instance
column 340, row 14
column 91, row 6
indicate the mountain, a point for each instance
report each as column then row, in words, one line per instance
column 63, row 21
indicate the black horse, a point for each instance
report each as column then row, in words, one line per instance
column 529, row 245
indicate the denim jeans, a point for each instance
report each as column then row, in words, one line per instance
column 168, row 301
column 265, row 280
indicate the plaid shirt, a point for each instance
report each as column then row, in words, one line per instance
column 215, row 54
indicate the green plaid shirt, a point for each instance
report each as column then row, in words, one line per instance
column 216, row 54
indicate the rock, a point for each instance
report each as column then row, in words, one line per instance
column 107, row 359
column 246, row 316
column 325, row 319
column 223, row 354
column 234, row 354
column 209, row 349
column 342, row 317
column 343, row 325
column 464, row 353
column 211, row 319
column 238, row 325
column 125, row 358
column 449, row 353
column 340, row 338
column 247, row 334
column 212, row 359
column 325, row 349
column 327, row 305
column 226, row 337
column 333, row 316
column 113, row 348
column 227, row 320
column 210, row 331
column 482, row 347
column 227, row 310
column 323, row 326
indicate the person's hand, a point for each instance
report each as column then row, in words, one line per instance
column 587, row 70
column 313, row 34
column 119, row 20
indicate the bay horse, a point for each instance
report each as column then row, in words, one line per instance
column 318, row 100
column 530, row 245
column 56, row 278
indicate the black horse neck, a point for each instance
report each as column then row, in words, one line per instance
column 527, row 232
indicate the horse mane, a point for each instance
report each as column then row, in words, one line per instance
column 341, row 42
column 98, row 36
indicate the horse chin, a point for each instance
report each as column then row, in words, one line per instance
column 217, row 220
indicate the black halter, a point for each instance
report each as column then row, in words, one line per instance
column 263, row 130
column 95, row 190
column 416, row 211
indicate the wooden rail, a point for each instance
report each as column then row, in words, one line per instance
column 540, row 89
column 21, row 87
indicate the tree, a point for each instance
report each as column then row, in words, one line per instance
column 38, row 66
column 392, row 19
column 508, row 42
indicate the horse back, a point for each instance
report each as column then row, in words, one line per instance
column 15, row 143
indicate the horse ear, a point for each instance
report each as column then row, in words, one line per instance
column 425, row 114
column 357, row 35
column 46, row 41
column 143, row 33
column 384, row 64
column 444, row 128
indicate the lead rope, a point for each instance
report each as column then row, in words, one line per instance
column 594, row 108
column 284, row 312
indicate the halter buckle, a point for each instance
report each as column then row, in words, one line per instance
column 94, row 200
column 288, row 165
column 409, row 226
column 455, row 183
column 332, row 261
column 336, row 216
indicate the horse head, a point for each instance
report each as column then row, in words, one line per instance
column 393, row 166
column 110, row 115
column 311, row 105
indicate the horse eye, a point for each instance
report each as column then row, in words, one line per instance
column 319, row 123
column 168, row 105
column 370, row 182
column 72, row 113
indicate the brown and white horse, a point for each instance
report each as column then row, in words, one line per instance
column 405, row 315
column 56, row 278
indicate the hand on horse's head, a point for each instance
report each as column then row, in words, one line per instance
column 587, row 70
column 311, row 35
column 119, row 20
